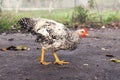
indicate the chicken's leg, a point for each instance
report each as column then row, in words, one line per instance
column 57, row 61
column 42, row 61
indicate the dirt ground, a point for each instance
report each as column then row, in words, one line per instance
column 88, row 62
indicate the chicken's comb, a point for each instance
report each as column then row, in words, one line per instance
column 86, row 30
column 85, row 33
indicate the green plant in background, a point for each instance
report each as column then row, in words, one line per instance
column 79, row 15
column 91, row 4
column 6, row 21
column 1, row 4
column 93, row 17
column 111, row 18
column 9, row 18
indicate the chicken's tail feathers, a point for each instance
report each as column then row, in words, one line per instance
column 24, row 24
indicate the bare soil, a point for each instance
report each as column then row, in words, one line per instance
column 88, row 62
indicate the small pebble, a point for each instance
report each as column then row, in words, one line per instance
column 103, row 49
column 85, row 64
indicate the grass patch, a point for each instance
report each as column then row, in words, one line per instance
column 7, row 19
column 107, row 16
column 111, row 16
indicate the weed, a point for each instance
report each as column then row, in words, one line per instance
column 79, row 15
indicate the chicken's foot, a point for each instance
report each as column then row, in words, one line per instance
column 57, row 61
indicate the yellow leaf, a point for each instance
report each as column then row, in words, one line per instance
column 115, row 60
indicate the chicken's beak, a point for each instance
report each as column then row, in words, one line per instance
column 84, row 35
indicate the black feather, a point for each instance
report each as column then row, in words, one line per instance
column 26, row 24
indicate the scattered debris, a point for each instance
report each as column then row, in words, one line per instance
column 85, row 64
column 103, row 49
column 11, row 39
column 115, row 60
column 103, row 27
column 38, row 48
column 16, row 48
column 3, row 49
column 95, row 78
column 27, row 79
column 109, row 55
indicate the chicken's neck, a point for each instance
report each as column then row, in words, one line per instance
column 74, row 36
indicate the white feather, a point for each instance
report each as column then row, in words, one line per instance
column 43, row 31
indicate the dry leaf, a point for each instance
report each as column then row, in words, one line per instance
column 16, row 48
column 115, row 60
column 109, row 55
column 3, row 49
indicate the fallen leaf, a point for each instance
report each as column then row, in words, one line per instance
column 109, row 55
column 22, row 47
column 16, row 48
column 3, row 49
column 11, row 39
column 115, row 60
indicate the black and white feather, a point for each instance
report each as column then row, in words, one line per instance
column 50, row 34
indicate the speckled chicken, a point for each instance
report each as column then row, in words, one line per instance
column 52, row 35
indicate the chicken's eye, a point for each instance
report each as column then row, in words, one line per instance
column 82, row 31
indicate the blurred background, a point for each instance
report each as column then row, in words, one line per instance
column 89, row 13
column 28, row 5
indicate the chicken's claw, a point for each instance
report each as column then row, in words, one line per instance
column 61, row 62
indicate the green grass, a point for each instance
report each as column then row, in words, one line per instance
column 58, row 15
column 107, row 16
column 7, row 19
column 111, row 16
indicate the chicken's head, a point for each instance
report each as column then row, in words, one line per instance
column 83, row 32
